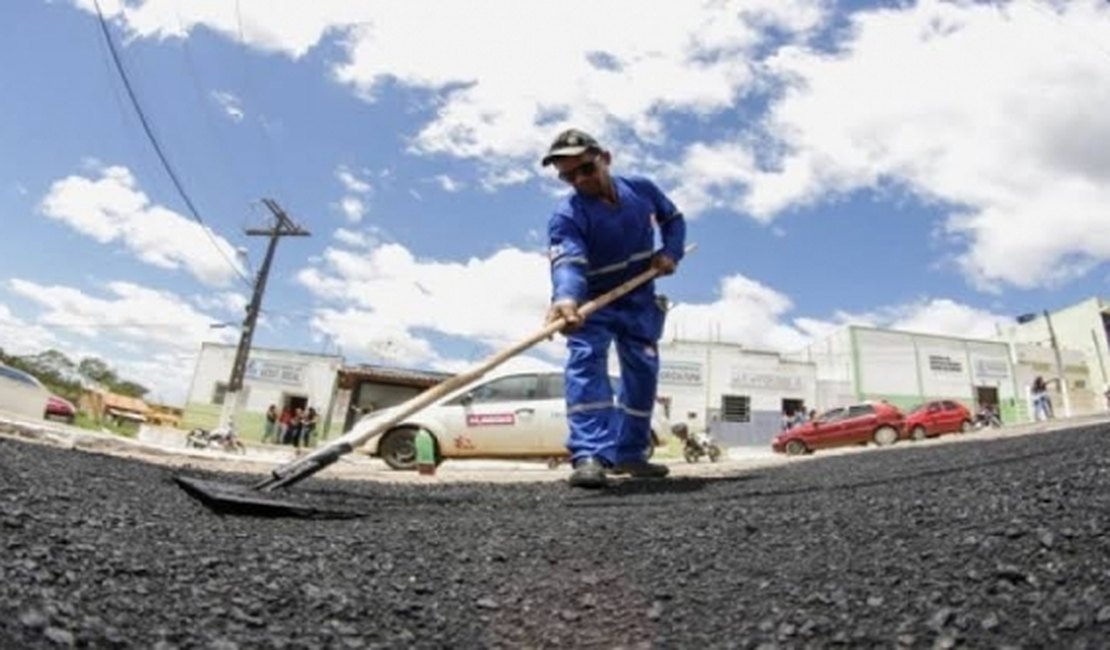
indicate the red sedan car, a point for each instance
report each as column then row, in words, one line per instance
column 60, row 409
column 938, row 417
column 859, row 424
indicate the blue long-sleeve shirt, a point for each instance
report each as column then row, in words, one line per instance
column 595, row 246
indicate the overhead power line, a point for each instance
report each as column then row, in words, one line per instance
column 158, row 147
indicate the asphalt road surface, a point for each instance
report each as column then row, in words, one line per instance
column 985, row 544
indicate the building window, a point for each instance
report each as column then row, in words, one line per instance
column 736, row 408
column 218, row 392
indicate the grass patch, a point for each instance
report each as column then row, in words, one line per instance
column 86, row 421
column 671, row 448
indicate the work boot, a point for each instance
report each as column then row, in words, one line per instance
column 588, row 473
column 642, row 469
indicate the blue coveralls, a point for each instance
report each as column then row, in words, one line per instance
column 594, row 248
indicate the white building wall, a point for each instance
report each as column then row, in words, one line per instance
column 1039, row 360
column 907, row 368
column 832, row 356
column 1079, row 327
column 835, row 369
column 271, row 376
column 887, row 362
column 695, row 376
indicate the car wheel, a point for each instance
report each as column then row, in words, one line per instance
column 885, row 436
column 966, row 426
column 398, row 449
column 795, row 448
column 919, row 433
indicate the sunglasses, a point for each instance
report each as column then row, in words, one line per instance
column 586, row 169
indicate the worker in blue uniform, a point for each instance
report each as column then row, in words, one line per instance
column 600, row 236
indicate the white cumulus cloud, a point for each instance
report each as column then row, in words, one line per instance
column 111, row 208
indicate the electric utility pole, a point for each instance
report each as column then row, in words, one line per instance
column 283, row 227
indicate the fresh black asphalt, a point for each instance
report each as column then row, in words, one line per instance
column 983, row 544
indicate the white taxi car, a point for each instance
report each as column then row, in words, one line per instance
column 509, row 415
column 22, row 394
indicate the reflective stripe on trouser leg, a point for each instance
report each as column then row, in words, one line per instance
column 639, row 374
column 588, row 393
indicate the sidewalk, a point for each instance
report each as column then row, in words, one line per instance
column 260, row 459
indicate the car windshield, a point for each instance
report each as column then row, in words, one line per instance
column 919, row 407
column 19, row 376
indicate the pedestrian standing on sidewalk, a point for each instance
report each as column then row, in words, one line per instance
column 283, row 425
column 269, row 426
column 293, row 435
column 600, row 236
column 1042, row 409
column 308, row 427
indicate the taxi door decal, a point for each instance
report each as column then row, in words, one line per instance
column 490, row 419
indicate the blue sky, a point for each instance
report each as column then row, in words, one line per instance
column 936, row 166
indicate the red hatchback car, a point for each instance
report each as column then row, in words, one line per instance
column 938, row 417
column 859, row 424
column 60, row 409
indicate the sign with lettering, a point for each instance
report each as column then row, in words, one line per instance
column 992, row 369
column 686, row 373
column 489, row 419
column 276, row 372
column 765, row 380
column 944, row 363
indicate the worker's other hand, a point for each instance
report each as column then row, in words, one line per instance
column 567, row 310
column 663, row 263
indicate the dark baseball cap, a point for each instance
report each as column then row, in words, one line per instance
column 571, row 142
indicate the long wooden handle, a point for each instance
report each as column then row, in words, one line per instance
column 371, row 426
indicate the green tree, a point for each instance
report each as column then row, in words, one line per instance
column 131, row 389
column 96, row 371
column 54, row 369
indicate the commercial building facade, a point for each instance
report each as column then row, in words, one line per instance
column 1083, row 327
column 736, row 393
column 859, row 363
column 284, row 378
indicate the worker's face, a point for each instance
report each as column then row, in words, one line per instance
column 587, row 172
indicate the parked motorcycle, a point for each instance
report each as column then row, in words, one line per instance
column 987, row 417
column 221, row 439
column 697, row 445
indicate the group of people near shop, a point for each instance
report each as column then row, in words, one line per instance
column 293, row 426
column 798, row 417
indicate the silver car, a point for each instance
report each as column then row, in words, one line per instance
column 510, row 415
column 21, row 394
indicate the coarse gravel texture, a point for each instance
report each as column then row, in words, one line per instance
column 986, row 544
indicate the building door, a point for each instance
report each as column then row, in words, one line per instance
column 294, row 402
column 792, row 406
column 987, row 396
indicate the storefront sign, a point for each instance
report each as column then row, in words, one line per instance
column 685, row 373
column 944, row 363
column 275, row 372
column 992, row 369
column 765, row 380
